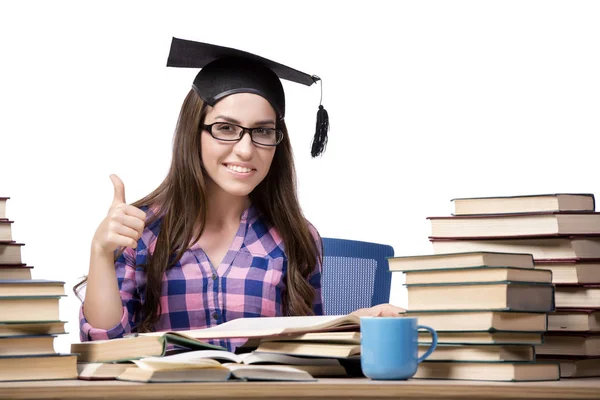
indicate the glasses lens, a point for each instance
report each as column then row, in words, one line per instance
column 266, row 136
column 225, row 131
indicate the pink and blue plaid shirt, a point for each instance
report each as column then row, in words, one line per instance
column 248, row 283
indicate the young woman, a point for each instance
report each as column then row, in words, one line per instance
column 223, row 236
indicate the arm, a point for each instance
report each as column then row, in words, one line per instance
column 102, row 296
column 105, row 290
column 123, row 273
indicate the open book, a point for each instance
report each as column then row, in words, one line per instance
column 198, row 366
column 136, row 346
column 254, row 357
column 315, row 367
column 259, row 327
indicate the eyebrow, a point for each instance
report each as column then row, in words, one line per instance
column 235, row 121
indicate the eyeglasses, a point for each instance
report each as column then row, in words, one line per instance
column 228, row 132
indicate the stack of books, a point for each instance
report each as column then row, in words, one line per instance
column 562, row 233
column 29, row 317
column 489, row 311
column 279, row 348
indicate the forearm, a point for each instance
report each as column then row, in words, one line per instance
column 103, row 308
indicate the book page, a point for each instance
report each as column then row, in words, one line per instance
column 194, row 356
column 269, row 372
column 274, row 358
column 267, row 326
column 164, row 363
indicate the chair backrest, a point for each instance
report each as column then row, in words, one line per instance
column 355, row 275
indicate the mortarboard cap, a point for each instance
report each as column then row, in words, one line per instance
column 226, row 71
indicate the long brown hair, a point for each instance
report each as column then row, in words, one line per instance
column 181, row 201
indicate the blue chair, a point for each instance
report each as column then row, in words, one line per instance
column 355, row 275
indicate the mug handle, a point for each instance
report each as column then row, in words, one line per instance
column 434, row 340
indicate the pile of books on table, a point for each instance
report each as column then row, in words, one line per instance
column 29, row 317
column 533, row 261
column 279, row 348
column 489, row 310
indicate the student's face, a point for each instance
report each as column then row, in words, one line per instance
column 238, row 167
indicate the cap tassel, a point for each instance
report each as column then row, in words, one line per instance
column 320, row 139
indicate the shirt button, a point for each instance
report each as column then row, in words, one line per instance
column 214, row 277
column 216, row 315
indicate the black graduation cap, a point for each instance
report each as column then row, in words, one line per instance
column 227, row 71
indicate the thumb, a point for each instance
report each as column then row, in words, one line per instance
column 119, row 196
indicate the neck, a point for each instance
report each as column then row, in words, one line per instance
column 224, row 209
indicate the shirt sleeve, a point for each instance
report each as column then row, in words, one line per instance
column 315, row 277
column 125, row 269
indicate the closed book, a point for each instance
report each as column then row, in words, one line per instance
column 574, row 320
column 578, row 296
column 565, row 344
column 575, row 367
column 133, row 347
column 328, row 337
column 15, row 271
column 31, row 287
column 31, row 308
column 5, row 230
column 459, row 260
column 509, row 371
column 484, row 337
column 517, row 225
column 24, row 328
column 484, row 321
column 38, row 367
column 478, row 274
column 575, row 272
column 515, row 296
column 311, row 349
column 547, row 248
column 3, row 201
column 10, row 253
column 480, row 353
column 524, row 203
column 26, row 345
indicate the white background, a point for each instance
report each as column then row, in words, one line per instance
column 428, row 100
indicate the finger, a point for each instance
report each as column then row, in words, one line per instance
column 126, row 231
column 124, row 241
column 119, row 194
column 134, row 223
column 135, row 212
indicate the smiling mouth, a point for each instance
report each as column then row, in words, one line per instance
column 239, row 169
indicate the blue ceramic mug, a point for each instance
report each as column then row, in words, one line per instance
column 389, row 347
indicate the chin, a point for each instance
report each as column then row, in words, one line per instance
column 236, row 190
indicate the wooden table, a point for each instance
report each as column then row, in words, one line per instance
column 324, row 388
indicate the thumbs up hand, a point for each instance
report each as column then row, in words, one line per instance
column 123, row 225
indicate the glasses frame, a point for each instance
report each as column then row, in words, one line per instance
column 279, row 133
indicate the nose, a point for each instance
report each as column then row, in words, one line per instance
column 244, row 147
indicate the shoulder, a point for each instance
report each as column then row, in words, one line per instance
column 315, row 234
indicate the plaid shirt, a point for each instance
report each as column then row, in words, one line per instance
column 248, row 283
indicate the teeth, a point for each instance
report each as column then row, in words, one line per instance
column 237, row 168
